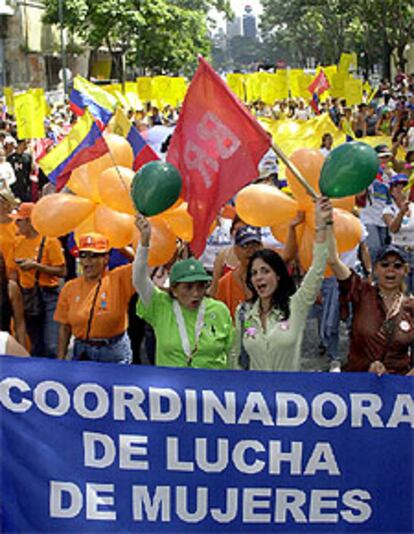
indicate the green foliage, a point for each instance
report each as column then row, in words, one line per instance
column 324, row 29
column 162, row 34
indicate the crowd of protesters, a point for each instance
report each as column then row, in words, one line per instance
column 244, row 304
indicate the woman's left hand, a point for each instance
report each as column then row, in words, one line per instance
column 323, row 212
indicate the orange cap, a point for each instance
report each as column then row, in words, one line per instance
column 93, row 242
column 24, row 211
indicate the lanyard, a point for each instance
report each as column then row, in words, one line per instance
column 183, row 331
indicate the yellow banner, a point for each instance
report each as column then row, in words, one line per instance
column 346, row 61
column 29, row 117
column 236, row 83
column 353, row 91
column 40, row 99
column 144, row 88
column 131, row 95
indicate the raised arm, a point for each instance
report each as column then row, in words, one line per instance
column 340, row 270
column 140, row 278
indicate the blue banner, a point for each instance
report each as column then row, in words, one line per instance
column 89, row 447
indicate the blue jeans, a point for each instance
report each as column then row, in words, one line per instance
column 376, row 239
column 43, row 329
column 329, row 323
column 117, row 351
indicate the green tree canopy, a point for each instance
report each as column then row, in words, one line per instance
column 167, row 34
column 323, row 29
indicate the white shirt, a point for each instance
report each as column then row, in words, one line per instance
column 7, row 176
column 405, row 235
column 4, row 337
column 219, row 239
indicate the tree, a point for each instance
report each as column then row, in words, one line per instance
column 166, row 34
column 321, row 29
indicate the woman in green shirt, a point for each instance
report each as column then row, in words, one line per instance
column 269, row 328
column 191, row 329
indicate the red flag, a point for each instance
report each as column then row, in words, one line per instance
column 319, row 84
column 217, row 146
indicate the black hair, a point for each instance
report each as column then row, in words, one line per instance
column 325, row 137
column 285, row 287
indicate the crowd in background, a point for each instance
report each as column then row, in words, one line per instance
column 90, row 319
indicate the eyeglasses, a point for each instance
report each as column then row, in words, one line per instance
column 250, row 244
column 396, row 264
column 83, row 254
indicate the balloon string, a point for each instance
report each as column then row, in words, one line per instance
column 294, row 170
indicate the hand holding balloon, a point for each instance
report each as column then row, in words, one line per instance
column 323, row 213
column 144, row 227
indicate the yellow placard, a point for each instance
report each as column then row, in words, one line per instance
column 29, row 116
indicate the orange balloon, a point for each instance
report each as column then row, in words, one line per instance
column 120, row 153
column 163, row 243
column 264, row 205
column 87, row 226
column 180, row 222
column 309, row 163
column 84, row 183
column 346, row 203
column 114, row 189
column 280, row 232
column 58, row 214
column 348, row 230
column 117, row 227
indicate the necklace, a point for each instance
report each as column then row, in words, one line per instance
column 392, row 302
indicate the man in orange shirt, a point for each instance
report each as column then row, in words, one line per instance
column 94, row 306
column 38, row 260
column 232, row 288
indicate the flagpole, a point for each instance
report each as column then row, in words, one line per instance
column 294, row 170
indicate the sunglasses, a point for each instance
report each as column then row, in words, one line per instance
column 83, row 254
column 396, row 264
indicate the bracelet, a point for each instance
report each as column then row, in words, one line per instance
column 329, row 223
column 320, row 228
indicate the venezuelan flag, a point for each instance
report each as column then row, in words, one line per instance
column 98, row 101
column 143, row 153
column 83, row 143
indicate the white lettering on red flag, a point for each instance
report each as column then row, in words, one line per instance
column 216, row 146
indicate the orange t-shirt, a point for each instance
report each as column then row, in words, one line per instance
column 8, row 235
column 110, row 317
column 230, row 292
column 52, row 255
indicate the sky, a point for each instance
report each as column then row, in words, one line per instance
column 238, row 8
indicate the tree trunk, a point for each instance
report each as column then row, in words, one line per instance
column 400, row 57
column 387, row 60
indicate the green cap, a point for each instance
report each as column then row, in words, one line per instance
column 190, row 270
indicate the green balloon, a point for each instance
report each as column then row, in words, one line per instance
column 155, row 187
column 348, row 170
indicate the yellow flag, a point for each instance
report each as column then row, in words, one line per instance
column 160, row 90
column 144, row 88
column 346, row 61
column 115, row 89
column 177, row 91
column 40, row 99
column 353, row 91
column 253, row 86
column 131, row 95
column 8, row 93
column 29, row 118
column 236, row 83
column 119, row 123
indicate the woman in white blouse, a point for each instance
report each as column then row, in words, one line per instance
column 399, row 217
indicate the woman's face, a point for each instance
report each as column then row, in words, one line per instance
column 189, row 294
column 263, row 278
column 397, row 191
column 390, row 272
column 93, row 264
